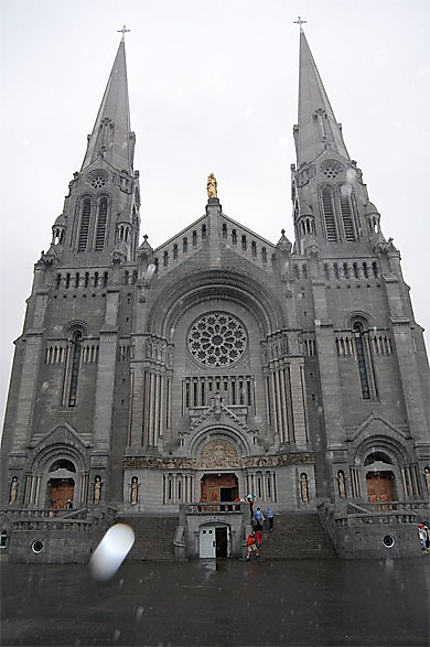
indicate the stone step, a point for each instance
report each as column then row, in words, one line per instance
column 154, row 537
column 297, row 536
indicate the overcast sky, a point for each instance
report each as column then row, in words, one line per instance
column 213, row 87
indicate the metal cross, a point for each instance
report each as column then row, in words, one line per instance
column 123, row 31
column 300, row 22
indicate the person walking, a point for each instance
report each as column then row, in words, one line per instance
column 251, row 546
column 270, row 516
column 259, row 517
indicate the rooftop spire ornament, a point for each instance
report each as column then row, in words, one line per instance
column 300, row 22
column 123, row 31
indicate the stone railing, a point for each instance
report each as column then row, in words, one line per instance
column 11, row 514
column 402, row 506
column 52, row 524
column 214, row 507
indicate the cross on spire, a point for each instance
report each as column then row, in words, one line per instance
column 123, row 31
column 300, row 22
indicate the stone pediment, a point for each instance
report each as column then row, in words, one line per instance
column 218, row 413
column 376, row 425
column 62, row 435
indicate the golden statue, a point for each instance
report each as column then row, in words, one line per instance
column 211, row 186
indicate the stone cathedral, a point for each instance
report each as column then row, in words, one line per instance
column 219, row 364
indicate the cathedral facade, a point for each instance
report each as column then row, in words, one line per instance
column 219, row 364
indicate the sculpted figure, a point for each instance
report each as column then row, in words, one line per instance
column 13, row 490
column 134, row 491
column 212, row 186
column 341, row 484
column 304, row 488
column 97, row 489
column 427, row 478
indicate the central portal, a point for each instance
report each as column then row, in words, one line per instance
column 219, row 488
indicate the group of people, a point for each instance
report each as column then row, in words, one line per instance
column 255, row 537
column 424, row 535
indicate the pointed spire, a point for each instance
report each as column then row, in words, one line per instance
column 111, row 138
column 317, row 128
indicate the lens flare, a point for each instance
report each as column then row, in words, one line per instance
column 111, row 551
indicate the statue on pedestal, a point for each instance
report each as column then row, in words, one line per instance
column 212, row 186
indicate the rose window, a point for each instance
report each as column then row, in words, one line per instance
column 217, row 339
column 98, row 181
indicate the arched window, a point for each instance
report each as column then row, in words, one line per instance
column 76, row 360
column 185, row 245
column 329, row 214
column 378, row 457
column 346, row 211
column 361, row 359
column 85, row 225
column 101, row 223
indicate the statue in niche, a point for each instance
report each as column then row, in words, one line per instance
column 134, row 490
column 97, row 489
column 212, row 186
column 304, row 488
column 13, row 490
column 341, row 484
column 427, row 478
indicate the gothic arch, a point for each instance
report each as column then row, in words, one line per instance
column 179, row 297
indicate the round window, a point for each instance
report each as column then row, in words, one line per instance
column 389, row 541
column 98, row 181
column 37, row 546
column 217, row 339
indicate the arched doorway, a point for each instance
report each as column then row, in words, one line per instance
column 61, row 484
column 380, row 486
column 219, row 487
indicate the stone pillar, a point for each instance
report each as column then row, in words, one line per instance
column 105, row 381
column 328, row 368
column 297, row 402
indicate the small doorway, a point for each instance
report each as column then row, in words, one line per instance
column 59, row 491
column 213, row 542
column 380, row 487
column 221, row 541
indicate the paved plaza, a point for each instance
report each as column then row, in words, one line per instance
column 308, row 603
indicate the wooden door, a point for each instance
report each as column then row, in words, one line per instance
column 380, row 487
column 59, row 491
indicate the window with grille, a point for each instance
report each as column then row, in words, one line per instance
column 348, row 224
column 329, row 215
column 101, row 224
column 85, row 224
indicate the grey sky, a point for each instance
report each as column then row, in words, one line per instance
column 213, row 87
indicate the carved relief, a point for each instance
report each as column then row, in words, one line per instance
column 218, row 453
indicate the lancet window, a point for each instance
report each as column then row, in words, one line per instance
column 84, row 225
column 329, row 214
column 75, row 366
column 101, row 223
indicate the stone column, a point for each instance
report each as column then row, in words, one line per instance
column 105, row 381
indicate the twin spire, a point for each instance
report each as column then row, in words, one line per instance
column 317, row 129
column 111, row 138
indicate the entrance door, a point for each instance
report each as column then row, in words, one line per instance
column 221, row 541
column 207, row 543
column 59, row 490
column 218, row 487
column 380, row 486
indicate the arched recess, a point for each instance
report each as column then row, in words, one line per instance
column 384, row 471
column 58, row 473
column 214, row 284
column 222, row 433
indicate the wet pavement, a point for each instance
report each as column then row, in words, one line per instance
column 304, row 603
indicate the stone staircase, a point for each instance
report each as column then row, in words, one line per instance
column 154, row 536
column 297, row 535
